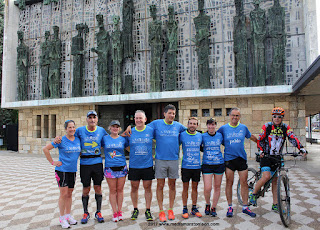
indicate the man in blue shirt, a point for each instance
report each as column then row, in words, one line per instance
column 141, row 162
column 191, row 165
column 234, row 134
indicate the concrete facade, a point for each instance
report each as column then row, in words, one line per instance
column 255, row 110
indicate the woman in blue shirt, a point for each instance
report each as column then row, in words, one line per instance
column 65, row 170
column 212, row 165
column 115, row 167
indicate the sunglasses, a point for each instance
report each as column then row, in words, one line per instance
column 275, row 116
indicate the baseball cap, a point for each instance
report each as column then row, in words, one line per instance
column 92, row 112
column 211, row 120
column 115, row 122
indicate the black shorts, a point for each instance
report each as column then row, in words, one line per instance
column 65, row 179
column 187, row 174
column 270, row 163
column 141, row 174
column 239, row 164
column 94, row 172
column 216, row 169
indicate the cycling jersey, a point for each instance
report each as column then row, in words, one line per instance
column 271, row 139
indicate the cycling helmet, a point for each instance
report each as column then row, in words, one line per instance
column 278, row 111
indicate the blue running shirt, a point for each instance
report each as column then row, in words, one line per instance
column 233, row 140
column 90, row 144
column 167, row 139
column 114, row 151
column 140, row 143
column 69, row 152
column 191, row 150
column 212, row 154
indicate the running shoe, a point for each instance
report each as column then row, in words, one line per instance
column 115, row 217
column 64, row 223
column 120, row 216
column 71, row 220
column 148, row 216
column 213, row 212
column 196, row 212
column 230, row 212
column 135, row 214
column 248, row 212
column 207, row 210
column 185, row 213
column 99, row 217
column 171, row 215
column 253, row 199
column 85, row 218
column 275, row 208
column 162, row 216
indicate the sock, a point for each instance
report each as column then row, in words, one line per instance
column 99, row 201
column 148, row 209
column 185, row 207
column 135, row 209
column 230, row 205
column 244, row 207
column 67, row 216
column 194, row 206
column 85, row 201
column 61, row 218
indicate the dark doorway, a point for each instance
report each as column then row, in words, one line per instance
column 12, row 137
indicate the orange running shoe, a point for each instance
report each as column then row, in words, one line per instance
column 162, row 216
column 171, row 215
column 196, row 212
column 185, row 213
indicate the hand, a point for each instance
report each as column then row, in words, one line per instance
column 57, row 140
column 127, row 132
column 56, row 163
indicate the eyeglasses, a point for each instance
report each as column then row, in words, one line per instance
column 275, row 116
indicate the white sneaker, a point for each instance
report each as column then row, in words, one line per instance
column 71, row 220
column 115, row 217
column 64, row 223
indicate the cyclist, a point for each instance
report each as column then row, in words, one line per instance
column 271, row 142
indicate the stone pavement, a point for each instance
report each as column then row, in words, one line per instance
column 29, row 200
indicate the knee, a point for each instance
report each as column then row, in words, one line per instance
column 172, row 186
column 134, row 188
column 217, row 188
column 112, row 190
column 160, row 186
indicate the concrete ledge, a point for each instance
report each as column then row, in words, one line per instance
column 154, row 97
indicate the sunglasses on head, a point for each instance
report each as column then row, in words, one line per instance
column 277, row 116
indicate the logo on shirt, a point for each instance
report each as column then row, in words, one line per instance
column 235, row 141
column 114, row 154
column 93, row 144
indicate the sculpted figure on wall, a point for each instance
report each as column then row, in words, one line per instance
column 240, row 45
column 172, row 44
column 202, row 24
column 22, row 66
column 155, row 42
column 103, row 49
column 22, row 4
column 276, row 30
column 55, row 59
column 258, row 36
column 77, row 50
column 128, row 17
column 117, row 56
column 45, row 65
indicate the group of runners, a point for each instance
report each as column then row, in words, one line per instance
column 87, row 141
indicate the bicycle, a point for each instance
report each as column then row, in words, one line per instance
column 283, row 187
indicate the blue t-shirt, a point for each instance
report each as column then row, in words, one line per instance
column 90, row 144
column 191, row 150
column 140, row 143
column 212, row 154
column 233, row 140
column 114, row 151
column 69, row 152
column 167, row 138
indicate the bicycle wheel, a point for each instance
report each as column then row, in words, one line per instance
column 252, row 179
column 284, row 199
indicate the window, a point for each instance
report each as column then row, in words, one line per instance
column 38, row 126
column 228, row 110
column 206, row 112
column 53, row 126
column 217, row 112
column 46, row 126
column 193, row 113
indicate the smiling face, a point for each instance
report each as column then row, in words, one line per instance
column 92, row 121
column 114, row 129
column 169, row 116
column 235, row 117
column 211, row 128
column 277, row 119
column 71, row 129
column 140, row 119
column 192, row 125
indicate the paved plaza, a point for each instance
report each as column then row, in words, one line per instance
column 29, row 200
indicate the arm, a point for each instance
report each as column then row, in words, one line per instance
column 46, row 151
column 261, row 138
column 254, row 138
column 295, row 141
column 127, row 132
